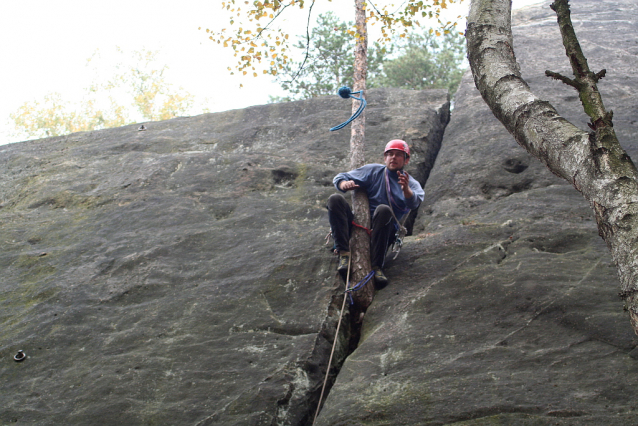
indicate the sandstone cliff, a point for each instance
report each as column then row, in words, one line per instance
column 178, row 275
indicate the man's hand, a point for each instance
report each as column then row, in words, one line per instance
column 404, row 181
column 347, row 185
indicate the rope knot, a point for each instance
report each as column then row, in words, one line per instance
column 346, row 93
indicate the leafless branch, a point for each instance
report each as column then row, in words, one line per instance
column 258, row 35
column 301, row 67
column 568, row 81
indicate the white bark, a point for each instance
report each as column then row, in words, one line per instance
column 593, row 162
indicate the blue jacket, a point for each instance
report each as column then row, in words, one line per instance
column 371, row 178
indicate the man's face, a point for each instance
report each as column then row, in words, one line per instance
column 395, row 159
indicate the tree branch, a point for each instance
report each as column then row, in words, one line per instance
column 594, row 163
column 258, row 35
column 600, row 74
column 568, row 81
column 586, row 80
column 375, row 8
column 305, row 59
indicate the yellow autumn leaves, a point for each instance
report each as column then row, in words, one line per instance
column 133, row 93
column 258, row 44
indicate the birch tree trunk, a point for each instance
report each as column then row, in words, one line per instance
column 360, row 241
column 593, row 162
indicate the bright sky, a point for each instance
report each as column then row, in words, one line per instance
column 45, row 45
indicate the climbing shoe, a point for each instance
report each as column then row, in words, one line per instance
column 380, row 280
column 344, row 260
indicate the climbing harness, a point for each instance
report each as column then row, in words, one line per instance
column 349, row 291
column 402, row 231
column 345, row 92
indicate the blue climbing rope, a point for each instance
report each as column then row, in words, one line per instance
column 359, row 285
column 346, row 93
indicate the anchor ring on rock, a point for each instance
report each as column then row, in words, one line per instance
column 20, row 356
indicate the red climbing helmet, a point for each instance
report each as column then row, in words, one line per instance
column 398, row 144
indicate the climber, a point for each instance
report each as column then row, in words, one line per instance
column 405, row 194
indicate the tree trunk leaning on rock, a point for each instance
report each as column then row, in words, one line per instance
column 593, row 162
column 360, row 241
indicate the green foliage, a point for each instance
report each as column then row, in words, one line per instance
column 425, row 62
column 421, row 61
column 327, row 62
column 132, row 94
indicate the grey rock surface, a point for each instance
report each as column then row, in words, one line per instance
column 503, row 308
column 178, row 275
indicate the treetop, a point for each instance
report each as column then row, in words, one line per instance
column 259, row 45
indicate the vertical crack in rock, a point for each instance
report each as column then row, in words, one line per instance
column 299, row 404
column 425, row 149
column 291, row 395
column 297, row 385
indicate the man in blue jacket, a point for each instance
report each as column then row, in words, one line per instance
column 388, row 187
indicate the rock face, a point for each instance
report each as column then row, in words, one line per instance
column 503, row 308
column 178, row 275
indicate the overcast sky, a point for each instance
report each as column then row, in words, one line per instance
column 45, row 45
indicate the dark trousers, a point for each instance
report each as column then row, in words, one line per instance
column 383, row 230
